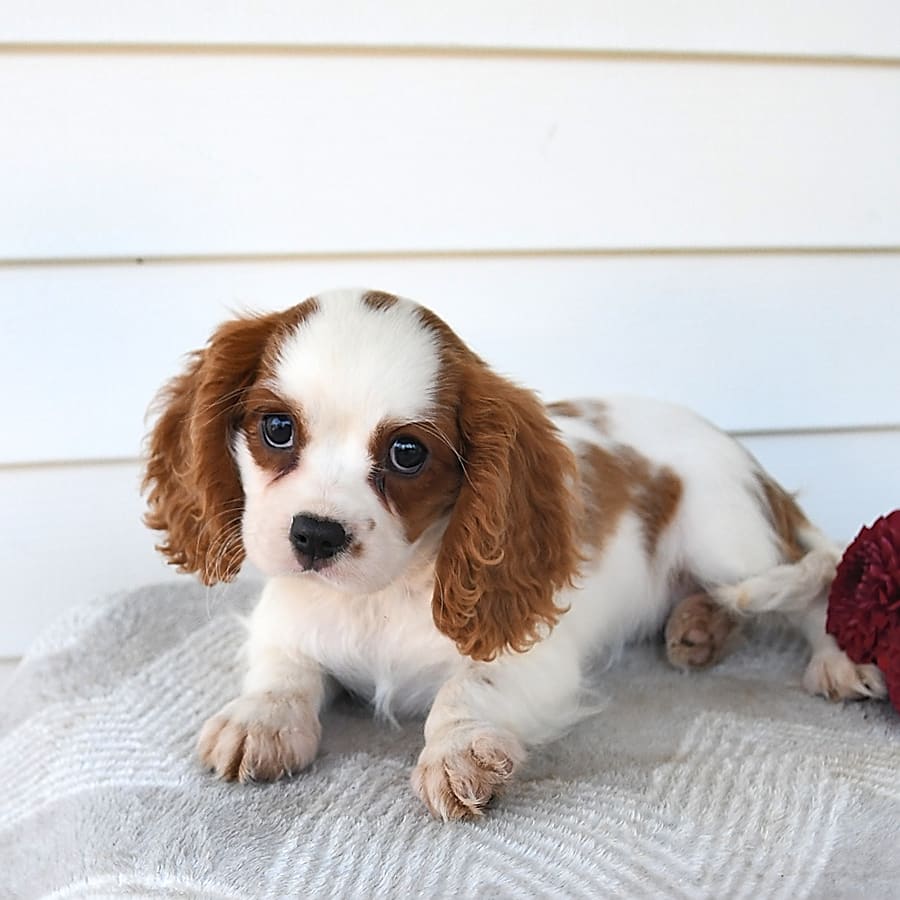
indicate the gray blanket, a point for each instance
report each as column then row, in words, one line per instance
column 730, row 783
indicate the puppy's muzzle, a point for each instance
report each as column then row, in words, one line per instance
column 316, row 540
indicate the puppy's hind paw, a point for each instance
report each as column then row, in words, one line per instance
column 832, row 674
column 699, row 632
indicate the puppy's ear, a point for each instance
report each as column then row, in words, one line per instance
column 193, row 490
column 511, row 543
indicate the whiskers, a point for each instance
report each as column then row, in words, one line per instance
column 220, row 533
column 208, row 414
column 226, row 552
column 434, row 431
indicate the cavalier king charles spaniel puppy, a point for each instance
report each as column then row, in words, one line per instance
column 437, row 540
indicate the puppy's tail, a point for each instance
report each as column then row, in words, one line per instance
column 790, row 587
column 793, row 586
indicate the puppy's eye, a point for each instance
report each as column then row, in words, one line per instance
column 277, row 431
column 407, row 455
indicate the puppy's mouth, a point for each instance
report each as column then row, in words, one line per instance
column 315, row 564
column 326, row 572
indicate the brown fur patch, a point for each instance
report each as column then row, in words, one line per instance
column 785, row 516
column 606, row 492
column 616, row 480
column 511, row 544
column 594, row 412
column 421, row 499
column 193, row 490
column 378, row 300
column 261, row 401
column 656, row 503
column 565, row 408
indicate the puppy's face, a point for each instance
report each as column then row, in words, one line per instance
column 347, row 452
column 352, row 437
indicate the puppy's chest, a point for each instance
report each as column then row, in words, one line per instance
column 384, row 648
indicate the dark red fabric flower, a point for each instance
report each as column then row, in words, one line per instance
column 864, row 603
column 888, row 660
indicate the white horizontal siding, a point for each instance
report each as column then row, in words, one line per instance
column 172, row 155
column 754, row 343
column 864, row 28
column 70, row 534
column 74, row 532
column 516, row 166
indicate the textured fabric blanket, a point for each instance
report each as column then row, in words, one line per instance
column 730, row 783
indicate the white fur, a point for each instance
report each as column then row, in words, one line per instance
column 367, row 623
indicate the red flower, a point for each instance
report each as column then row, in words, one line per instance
column 888, row 660
column 864, row 603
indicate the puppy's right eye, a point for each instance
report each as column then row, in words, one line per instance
column 407, row 456
column 277, row 431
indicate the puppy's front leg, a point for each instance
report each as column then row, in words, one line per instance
column 272, row 729
column 483, row 719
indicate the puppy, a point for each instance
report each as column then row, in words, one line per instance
column 438, row 540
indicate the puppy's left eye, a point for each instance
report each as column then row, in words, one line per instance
column 407, row 455
column 277, row 431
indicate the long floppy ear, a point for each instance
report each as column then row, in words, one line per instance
column 511, row 542
column 193, row 489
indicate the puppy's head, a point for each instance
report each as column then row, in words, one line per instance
column 352, row 438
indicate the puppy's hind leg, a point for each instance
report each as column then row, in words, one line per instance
column 754, row 551
column 799, row 590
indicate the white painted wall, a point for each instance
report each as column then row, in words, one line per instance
column 699, row 201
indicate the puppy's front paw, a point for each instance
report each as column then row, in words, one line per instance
column 833, row 674
column 456, row 777
column 260, row 737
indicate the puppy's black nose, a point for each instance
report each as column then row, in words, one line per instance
column 317, row 538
